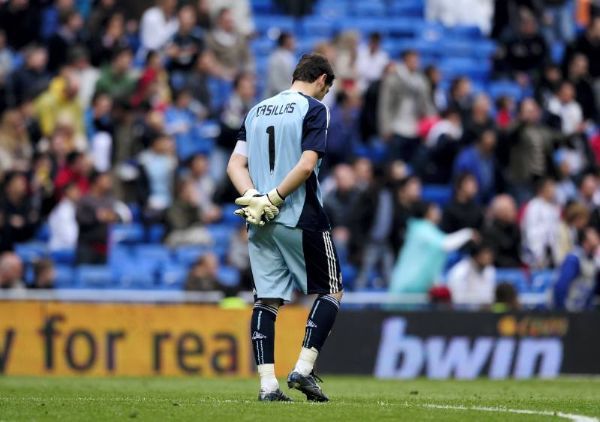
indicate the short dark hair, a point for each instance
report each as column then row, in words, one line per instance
column 283, row 38
column 311, row 66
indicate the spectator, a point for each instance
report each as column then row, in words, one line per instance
column 523, row 54
column 20, row 21
column 531, row 146
column 578, row 275
column 158, row 166
column 434, row 162
column 152, row 89
column 31, row 80
column 478, row 120
column 44, row 274
column 75, row 171
column 64, row 230
column 95, row 212
column 86, row 74
column 343, row 197
column 558, row 22
column 181, row 119
column 231, row 119
column 479, row 161
column 574, row 219
column 117, row 80
column 343, row 131
column 282, row 62
column 229, row 46
column 502, row 232
column 437, row 93
column 67, row 37
column 239, row 257
column 539, row 227
column 421, row 260
column 408, row 194
column 564, row 106
column 587, row 44
column 187, row 44
column 16, row 150
column 108, row 40
column 101, row 14
column 59, row 104
column 578, row 75
column 463, row 210
column 472, row 281
column 371, row 61
column 505, row 106
column 197, row 81
column 404, row 99
column 465, row 12
column 565, row 187
column 460, row 96
column 205, row 188
column 241, row 13
column 185, row 220
column 506, row 298
column 203, row 275
column 6, row 62
column 19, row 217
column 158, row 25
column 346, row 66
column 100, row 130
column 11, row 271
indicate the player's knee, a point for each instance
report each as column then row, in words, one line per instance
column 271, row 302
column 337, row 296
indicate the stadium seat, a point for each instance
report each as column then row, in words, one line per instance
column 514, row 276
column 369, row 8
column 499, row 88
column 65, row 276
column 317, row 26
column 273, row 25
column 43, row 233
column 187, row 255
column 332, row 9
column 439, row 194
column 542, row 281
column 63, row 256
column 30, row 251
column 229, row 217
column 154, row 255
column 229, row 276
column 173, row 277
column 127, row 233
column 94, row 276
column 136, row 275
column 220, row 233
column 155, row 233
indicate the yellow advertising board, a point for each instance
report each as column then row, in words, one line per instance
column 52, row 338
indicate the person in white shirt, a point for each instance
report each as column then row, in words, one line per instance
column 371, row 61
column 461, row 12
column 158, row 25
column 472, row 281
column 540, row 226
column 563, row 105
column 63, row 224
column 282, row 62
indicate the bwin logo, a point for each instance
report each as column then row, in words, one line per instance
column 405, row 356
column 311, row 324
column 258, row 336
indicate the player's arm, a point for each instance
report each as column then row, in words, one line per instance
column 299, row 174
column 237, row 169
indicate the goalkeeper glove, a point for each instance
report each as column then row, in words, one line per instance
column 255, row 206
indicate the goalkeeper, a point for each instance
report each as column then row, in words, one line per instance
column 275, row 166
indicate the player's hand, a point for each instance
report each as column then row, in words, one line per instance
column 256, row 206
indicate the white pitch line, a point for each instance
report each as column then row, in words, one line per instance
column 569, row 416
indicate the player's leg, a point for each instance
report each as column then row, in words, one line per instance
column 320, row 270
column 272, row 285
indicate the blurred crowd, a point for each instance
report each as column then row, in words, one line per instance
column 107, row 117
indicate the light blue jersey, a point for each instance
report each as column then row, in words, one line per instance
column 277, row 131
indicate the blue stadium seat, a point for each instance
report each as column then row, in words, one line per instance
column 440, row 194
column 94, row 276
column 136, row 275
column 63, row 256
column 155, row 233
column 349, row 273
column 65, row 276
column 173, row 277
column 262, row 46
column 369, row 8
column 43, row 233
column 332, row 9
column 229, row 276
column 508, row 88
column 273, row 25
column 187, row 255
column 262, row 6
column 514, row 276
column 220, row 233
column 542, row 281
column 229, row 217
column 136, row 212
column 317, row 26
column 476, row 69
column 127, row 233
column 406, row 8
column 557, row 51
column 154, row 255
column 31, row 251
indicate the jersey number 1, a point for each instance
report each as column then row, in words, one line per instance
column 271, row 132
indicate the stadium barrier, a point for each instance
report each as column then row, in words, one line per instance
column 103, row 339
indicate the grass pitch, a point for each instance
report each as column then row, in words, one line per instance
column 353, row 399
